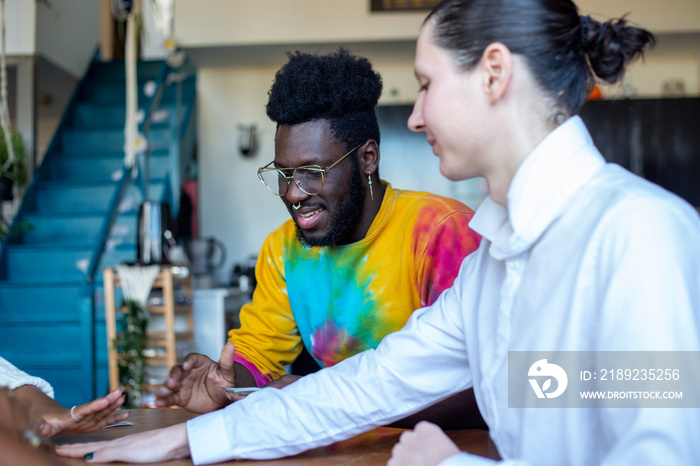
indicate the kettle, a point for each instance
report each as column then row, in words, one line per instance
column 202, row 252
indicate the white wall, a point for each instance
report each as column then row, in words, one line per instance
column 67, row 33
column 225, row 22
column 20, row 27
column 234, row 206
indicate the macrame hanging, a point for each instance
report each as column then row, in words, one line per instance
column 132, row 142
column 4, row 108
column 137, row 281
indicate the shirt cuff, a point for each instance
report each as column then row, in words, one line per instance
column 466, row 459
column 259, row 378
column 208, row 438
column 37, row 382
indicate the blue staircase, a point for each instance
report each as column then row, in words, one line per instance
column 79, row 215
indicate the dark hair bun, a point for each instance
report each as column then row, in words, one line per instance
column 311, row 86
column 611, row 45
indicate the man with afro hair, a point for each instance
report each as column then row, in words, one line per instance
column 357, row 256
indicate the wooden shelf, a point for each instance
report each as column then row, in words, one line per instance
column 178, row 309
column 166, row 282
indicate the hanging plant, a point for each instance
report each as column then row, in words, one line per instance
column 12, row 172
column 130, row 344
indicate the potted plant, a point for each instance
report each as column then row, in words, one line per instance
column 130, row 344
column 12, row 173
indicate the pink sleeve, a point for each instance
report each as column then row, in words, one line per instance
column 448, row 243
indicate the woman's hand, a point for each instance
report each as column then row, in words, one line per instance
column 147, row 447
column 85, row 418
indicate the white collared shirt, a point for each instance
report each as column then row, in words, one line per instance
column 587, row 257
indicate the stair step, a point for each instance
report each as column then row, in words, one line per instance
column 66, row 229
column 92, row 115
column 39, row 302
column 58, row 197
column 47, row 264
column 81, row 141
column 51, row 264
column 71, row 198
column 52, row 352
column 115, row 70
column 100, row 167
column 42, row 344
column 114, row 92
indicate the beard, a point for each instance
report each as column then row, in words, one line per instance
column 346, row 217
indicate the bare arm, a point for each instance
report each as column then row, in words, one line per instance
column 16, row 451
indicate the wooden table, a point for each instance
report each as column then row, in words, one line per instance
column 370, row 448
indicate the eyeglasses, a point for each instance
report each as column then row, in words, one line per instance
column 309, row 178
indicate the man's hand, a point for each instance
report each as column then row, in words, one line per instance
column 426, row 445
column 196, row 385
column 153, row 446
column 91, row 416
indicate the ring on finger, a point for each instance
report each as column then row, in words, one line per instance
column 73, row 416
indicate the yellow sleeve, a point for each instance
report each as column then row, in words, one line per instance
column 268, row 337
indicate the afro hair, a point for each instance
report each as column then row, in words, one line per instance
column 339, row 87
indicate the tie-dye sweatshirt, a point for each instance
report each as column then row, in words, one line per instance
column 341, row 300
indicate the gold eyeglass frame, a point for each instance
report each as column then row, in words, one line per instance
column 289, row 179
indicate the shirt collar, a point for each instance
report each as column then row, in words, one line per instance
column 542, row 186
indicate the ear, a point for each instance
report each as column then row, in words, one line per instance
column 497, row 65
column 368, row 157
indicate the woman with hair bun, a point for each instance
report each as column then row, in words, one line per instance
column 578, row 256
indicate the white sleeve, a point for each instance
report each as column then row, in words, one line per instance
column 417, row 366
column 12, row 378
column 649, row 272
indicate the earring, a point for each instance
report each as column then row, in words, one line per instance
column 369, row 178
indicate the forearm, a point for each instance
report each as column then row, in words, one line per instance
column 37, row 404
column 456, row 412
column 16, row 451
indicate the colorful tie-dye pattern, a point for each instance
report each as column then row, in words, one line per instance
column 346, row 299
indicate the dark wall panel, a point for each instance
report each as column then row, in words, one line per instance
column 656, row 138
